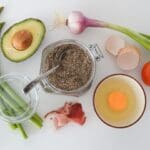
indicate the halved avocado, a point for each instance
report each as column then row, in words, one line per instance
column 22, row 39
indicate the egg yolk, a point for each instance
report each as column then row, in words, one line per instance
column 117, row 101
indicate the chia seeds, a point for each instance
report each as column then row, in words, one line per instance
column 75, row 68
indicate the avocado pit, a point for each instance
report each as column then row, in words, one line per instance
column 22, row 40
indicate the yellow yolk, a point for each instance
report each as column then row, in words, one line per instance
column 117, row 101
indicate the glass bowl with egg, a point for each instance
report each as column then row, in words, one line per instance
column 119, row 100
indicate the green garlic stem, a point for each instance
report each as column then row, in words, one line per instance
column 140, row 38
column 145, row 35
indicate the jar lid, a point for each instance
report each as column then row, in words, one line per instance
column 15, row 105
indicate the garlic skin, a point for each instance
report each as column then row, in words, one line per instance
column 76, row 22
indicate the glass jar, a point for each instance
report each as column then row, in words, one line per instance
column 15, row 105
column 94, row 54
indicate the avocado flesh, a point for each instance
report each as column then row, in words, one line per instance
column 35, row 27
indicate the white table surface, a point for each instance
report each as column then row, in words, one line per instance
column 94, row 135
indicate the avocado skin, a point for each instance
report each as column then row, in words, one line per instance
column 28, row 19
column 1, row 25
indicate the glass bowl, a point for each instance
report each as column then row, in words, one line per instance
column 135, row 97
column 15, row 106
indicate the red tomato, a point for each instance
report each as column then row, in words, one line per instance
column 146, row 73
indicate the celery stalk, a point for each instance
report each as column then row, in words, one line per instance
column 1, row 8
column 22, row 131
column 10, row 91
column 36, row 122
column 35, row 119
column 13, row 126
column 3, row 108
column 9, row 101
column 10, row 112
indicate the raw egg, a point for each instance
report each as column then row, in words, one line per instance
column 117, row 101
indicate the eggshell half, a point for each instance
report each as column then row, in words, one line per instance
column 114, row 44
column 128, row 58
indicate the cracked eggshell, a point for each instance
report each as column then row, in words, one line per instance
column 114, row 44
column 128, row 58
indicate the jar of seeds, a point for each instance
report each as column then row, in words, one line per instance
column 76, row 71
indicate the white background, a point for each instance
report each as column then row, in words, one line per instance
column 94, row 135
